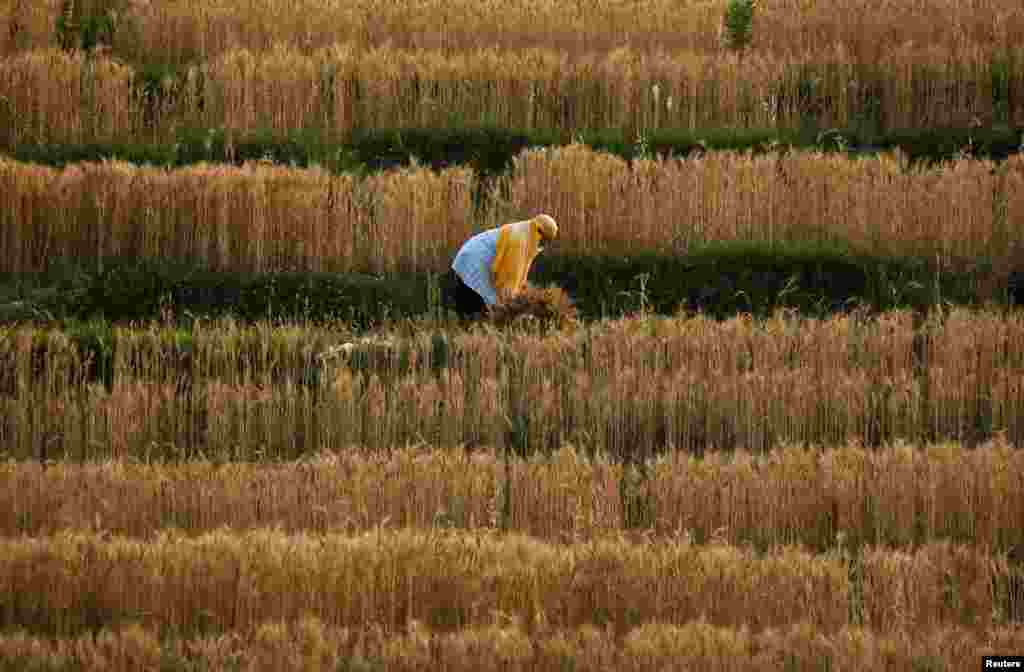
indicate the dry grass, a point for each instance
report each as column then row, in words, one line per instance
column 310, row 645
column 264, row 217
column 235, row 580
column 849, row 496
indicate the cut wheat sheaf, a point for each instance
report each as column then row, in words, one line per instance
column 547, row 307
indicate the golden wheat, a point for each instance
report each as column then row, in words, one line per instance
column 865, row 31
column 234, row 580
column 878, row 205
column 53, row 96
column 310, row 645
column 626, row 388
column 848, row 496
column 544, row 307
column 256, row 217
column 265, row 217
column 340, row 88
column 629, row 388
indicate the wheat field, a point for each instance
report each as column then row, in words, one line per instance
column 210, row 502
column 900, row 495
column 263, row 217
column 185, row 31
column 642, row 493
column 226, row 580
column 640, row 65
column 341, row 88
column 628, row 388
column 309, row 644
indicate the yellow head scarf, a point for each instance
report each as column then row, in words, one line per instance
column 547, row 226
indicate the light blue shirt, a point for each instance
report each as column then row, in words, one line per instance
column 473, row 264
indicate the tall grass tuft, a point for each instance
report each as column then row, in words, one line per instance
column 737, row 24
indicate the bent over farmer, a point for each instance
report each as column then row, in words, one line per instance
column 492, row 266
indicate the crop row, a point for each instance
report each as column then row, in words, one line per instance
column 226, row 580
column 54, row 96
column 183, row 31
column 626, row 388
column 308, row 645
column 966, row 213
column 820, row 498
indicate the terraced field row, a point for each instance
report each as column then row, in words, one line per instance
column 54, row 96
column 309, row 644
column 221, row 581
column 258, row 217
column 628, row 388
column 183, row 31
column 822, row 499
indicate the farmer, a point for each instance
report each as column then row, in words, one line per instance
column 493, row 265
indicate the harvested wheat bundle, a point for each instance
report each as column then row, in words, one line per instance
column 547, row 307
